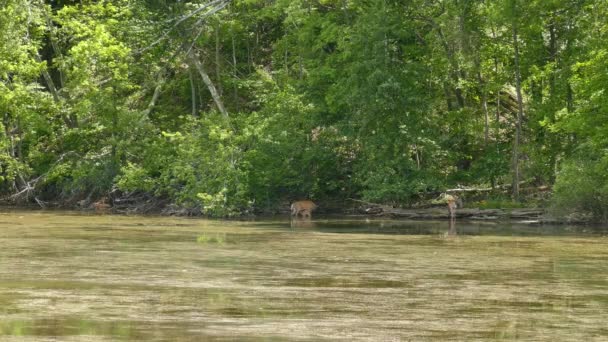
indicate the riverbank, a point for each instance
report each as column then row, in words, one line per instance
column 522, row 215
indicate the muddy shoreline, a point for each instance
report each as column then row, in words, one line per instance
column 521, row 215
column 527, row 215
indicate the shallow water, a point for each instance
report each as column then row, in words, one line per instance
column 72, row 277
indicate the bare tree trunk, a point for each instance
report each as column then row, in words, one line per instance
column 496, row 72
column 235, row 73
column 454, row 73
column 553, row 54
column 217, row 60
column 56, row 49
column 497, row 114
column 520, row 113
column 417, row 157
column 448, row 100
column 193, row 92
column 212, row 89
column 6, row 122
column 200, row 98
column 301, row 73
column 19, row 147
column 49, row 80
column 155, row 96
column 70, row 119
column 70, row 122
column 484, row 104
column 286, row 62
column 249, row 58
column 254, row 48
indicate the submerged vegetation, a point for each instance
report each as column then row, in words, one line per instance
column 228, row 107
column 216, row 238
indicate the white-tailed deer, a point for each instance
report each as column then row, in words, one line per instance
column 302, row 208
column 452, row 202
column 102, row 205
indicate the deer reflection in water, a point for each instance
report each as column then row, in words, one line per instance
column 307, row 224
column 452, row 228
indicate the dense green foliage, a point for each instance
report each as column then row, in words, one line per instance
column 226, row 107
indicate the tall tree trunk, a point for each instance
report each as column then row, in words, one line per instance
column 49, row 80
column 212, row 89
column 497, row 76
column 54, row 45
column 249, row 58
column 552, row 54
column 235, row 73
column 448, row 99
column 70, row 119
column 115, row 138
column 155, row 96
column 455, row 72
column 569, row 98
column 301, row 73
column 217, row 60
column 520, row 114
column 484, row 104
column 67, row 119
column 193, row 92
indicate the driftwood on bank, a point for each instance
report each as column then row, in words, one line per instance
column 505, row 187
column 469, row 213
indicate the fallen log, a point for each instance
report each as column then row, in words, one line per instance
column 467, row 213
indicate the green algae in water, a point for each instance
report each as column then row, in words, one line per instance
column 215, row 238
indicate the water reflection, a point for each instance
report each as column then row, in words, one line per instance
column 302, row 223
column 452, row 227
column 456, row 227
column 107, row 278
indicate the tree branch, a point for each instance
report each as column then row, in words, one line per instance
column 212, row 89
column 219, row 5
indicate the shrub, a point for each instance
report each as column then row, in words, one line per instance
column 582, row 186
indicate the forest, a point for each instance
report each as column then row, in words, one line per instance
column 226, row 108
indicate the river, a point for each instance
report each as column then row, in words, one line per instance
column 73, row 277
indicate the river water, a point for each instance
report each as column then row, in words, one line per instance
column 72, row 277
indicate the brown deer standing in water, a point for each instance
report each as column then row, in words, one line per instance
column 453, row 203
column 302, row 208
column 102, row 205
